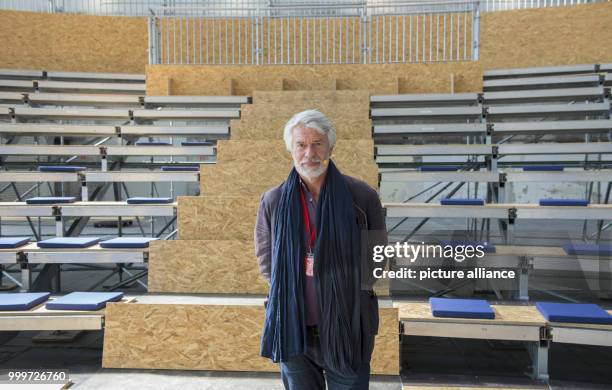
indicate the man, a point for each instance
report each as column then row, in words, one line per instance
column 311, row 235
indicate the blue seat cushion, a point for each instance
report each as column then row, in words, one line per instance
column 193, row 168
column 563, row 202
column 152, row 143
column 196, row 143
column 486, row 247
column 84, row 301
column 580, row 313
column 68, row 242
column 438, row 168
column 61, row 168
column 588, row 249
column 22, row 301
column 127, row 242
column 462, row 201
column 13, row 242
column 528, row 168
column 145, row 200
column 461, row 308
column 50, row 199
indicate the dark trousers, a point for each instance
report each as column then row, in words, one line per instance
column 308, row 372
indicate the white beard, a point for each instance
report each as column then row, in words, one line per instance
column 310, row 172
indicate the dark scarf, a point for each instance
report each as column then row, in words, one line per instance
column 337, row 277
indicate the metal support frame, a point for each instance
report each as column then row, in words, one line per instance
column 539, row 358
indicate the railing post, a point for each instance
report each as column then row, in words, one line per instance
column 364, row 34
column 153, row 41
column 476, row 32
column 257, row 36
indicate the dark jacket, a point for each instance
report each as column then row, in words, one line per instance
column 371, row 220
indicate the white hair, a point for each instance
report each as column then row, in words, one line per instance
column 312, row 119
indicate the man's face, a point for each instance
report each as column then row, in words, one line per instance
column 309, row 149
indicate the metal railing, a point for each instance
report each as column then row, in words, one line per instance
column 143, row 7
column 331, row 34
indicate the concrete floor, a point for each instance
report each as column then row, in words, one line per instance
column 426, row 362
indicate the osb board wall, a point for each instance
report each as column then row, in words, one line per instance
column 254, row 179
column 533, row 37
column 209, row 337
column 67, row 42
column 204, row 266
column 547, row 36
column 221, row 217
column 253, row 112
column 376, row 78
column 271, row 126
column 521, row 38
column 266, row 117
column 268, row 151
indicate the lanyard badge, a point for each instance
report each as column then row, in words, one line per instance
column 309, row 260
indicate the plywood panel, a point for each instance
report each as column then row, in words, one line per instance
column 357, row 110
column 504, row 314
column 268, row 151
column 547, row 36
column 310, row 97
column 205, row 337
column 217, row 217
column 204, row 266
column 253, row 179
column 184, row 337
column 272, row 126
column 375, row 78
column 66, row 42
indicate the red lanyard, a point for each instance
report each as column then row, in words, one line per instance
column 311, row 232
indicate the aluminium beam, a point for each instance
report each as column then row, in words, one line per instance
column 440, row 150
column 17, row 85
column 428, row 112
column 548, row 109
column 81, row 99
column 432, row 210
column 72, row 113
column 434, row 99
column 539, row 71
column 137, row 177
column 588, row 80
column 186, row 114
column 604, row 175
column 74, row 86
column 91, row 255
column 552, row 127
column 424, row 129
column 117, row 209
column 21, row 74
column 35, row 177
column 213, row 132
column 91, row 76
column 183, row 101
column 545, row 95
column 467, row 176
column 579, row 334
column 32, row 129
column 111, row 150
column 555, row 148
column 12, row 97
column 156, row 150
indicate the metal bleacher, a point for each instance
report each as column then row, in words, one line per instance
column 120, row 139
column 559, row 116
column 555, row 115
